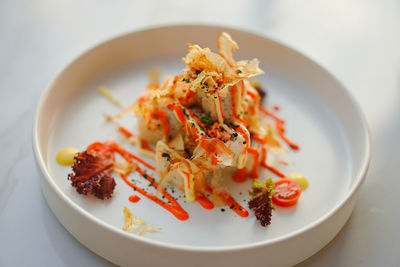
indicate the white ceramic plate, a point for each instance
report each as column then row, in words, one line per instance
column 321, row 117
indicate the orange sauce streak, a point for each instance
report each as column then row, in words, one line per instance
column 255, row 97
column 204, row 202
column 145, row 145
column 128, row 134
column 125, row 131
column 251, row 94
column 187, row 178
column 179, row 112
column 268, row 167
column 242, row 87
column 280, row 128
column 231, row 202
column 174, row 208
column 245, row 136
column 254, row 170
column 281, row 131
column 214, row 160
column 283, row 162
column 202, row 125
column 129, row 156
column 163, row 118
column 272, row 115
column 143, row 98
column 258, row 138
column 276, row 107
column 188, row 95
column 240, row 175
column 208, row 145
column 134, row 198
column 233, row 205
column 160, row 115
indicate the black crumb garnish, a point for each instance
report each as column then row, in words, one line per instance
column 166, row 155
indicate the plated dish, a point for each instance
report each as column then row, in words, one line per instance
column 202, row 127
column 334, row 151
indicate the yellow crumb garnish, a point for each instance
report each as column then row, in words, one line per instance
column 105, row 92
column 133, row 224
column 298, row 178
column 149, row 229
column 66, row 156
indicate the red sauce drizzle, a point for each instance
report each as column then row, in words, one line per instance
column 214, row 160
column 251, row 94
column 174, row 207
column 204, row 202
column 164, row 120
column 128, row 134
column 254, row 170
column 280, row 128
column 233, row 205
column 244, row 134
column 160, row 115
column 265, row 165
column 240, row 175
column 145, row 145
column 258, row 138
column 134, row 198
column 187, row 178
column 189, row 94
column 129, row 156
column 179, row 112
column 143, row 98
column 202, row 125
column 231, row 202
column 283, row 162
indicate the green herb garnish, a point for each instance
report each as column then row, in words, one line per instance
column 207, row 121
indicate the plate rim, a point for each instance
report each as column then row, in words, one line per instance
column 359, row 177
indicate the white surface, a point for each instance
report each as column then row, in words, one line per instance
column 357, row 41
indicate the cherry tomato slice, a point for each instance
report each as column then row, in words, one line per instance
column 287, row 193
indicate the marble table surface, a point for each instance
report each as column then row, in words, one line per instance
column 358, row 41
